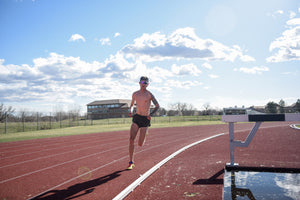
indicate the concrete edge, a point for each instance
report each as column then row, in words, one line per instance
column 294, row 126
column 137, row 182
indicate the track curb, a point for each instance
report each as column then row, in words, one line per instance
column 294, row 126
column 143, row 177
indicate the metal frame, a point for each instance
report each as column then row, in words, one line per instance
column 258, row 119
column 237, row 143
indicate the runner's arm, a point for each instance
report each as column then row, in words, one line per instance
column 153, row 99
column 132, row 105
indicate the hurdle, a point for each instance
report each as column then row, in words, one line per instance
column 239, row 115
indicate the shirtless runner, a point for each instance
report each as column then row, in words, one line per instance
column 141, row 120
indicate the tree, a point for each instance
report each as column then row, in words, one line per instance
column 190, row 111
column 161, row 111
column 271, row 107
column 74, row 111
column 297, row 106
column 181, row 109
column 281, row 106
column 206, row 107
column 5, row 112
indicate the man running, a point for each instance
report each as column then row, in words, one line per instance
column 141, row 120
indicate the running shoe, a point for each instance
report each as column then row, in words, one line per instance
column 130, row 166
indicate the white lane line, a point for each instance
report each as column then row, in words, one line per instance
column 137, row 182
column 33, row 144
column 74, row 178
column 22, row 162
column 4, row 181
column 295, row 126
column 171, row 156
column 49, row 156
column 50, row 149
column 29, row 173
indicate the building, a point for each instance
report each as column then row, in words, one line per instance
column 114, row 108
column 234, row 111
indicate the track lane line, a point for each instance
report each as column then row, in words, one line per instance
column 52, row 155
column 137, row 182
column 114, row 161
column 74, row 178
column 70, row 144
column 83, row 157
column 47, row 156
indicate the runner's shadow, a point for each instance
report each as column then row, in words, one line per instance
column 85, row 187
column 212, row 180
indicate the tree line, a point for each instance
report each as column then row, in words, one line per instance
column 175, row 109
column 281, row 107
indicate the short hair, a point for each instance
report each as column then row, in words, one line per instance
column 144, row 78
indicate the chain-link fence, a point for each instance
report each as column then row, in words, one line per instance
column 33, row 121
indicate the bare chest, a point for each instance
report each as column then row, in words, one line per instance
column 142, row 98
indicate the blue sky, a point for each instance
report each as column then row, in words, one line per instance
column 66, row 53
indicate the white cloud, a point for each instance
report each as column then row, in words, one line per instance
column 183, row 84
column 207, row 65
column 292, row 14
column 56, row 79
column 276, row 13
column 156, row 74
column 15, row 73
column 288, row 45
column 213, row 76
column 182, row 43
column 105, row 41
column 188, row 69
column 116, row 63
column 253, row 70
column 117, row 34
column 76, row 37
column 60, row 67
column 65, row 79
column 60, row 79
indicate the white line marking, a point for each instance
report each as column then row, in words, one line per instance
column 49, row 156
column 29, row 173
column 295, row 126
column 137, row 182
column 74, row 178
column 59, row 164
column 49, row 149
column 121, row 159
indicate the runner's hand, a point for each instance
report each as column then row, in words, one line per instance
column 149, row 117
column 130, row 114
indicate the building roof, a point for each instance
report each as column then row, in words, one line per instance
column 111, row 101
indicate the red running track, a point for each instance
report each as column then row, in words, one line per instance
column 93, row 166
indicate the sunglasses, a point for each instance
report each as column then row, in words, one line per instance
column 144, row 82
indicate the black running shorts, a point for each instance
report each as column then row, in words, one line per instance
column 141, row 121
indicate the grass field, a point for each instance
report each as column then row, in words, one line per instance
column 110, row 125
column 14, row 127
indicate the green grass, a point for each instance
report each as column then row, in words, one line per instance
column 61, row 132
column 105, row 126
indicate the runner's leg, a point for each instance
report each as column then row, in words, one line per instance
column 143, row 133
column 133, row 132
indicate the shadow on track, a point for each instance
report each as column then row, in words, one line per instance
column 212, row 180
column 85, row 187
